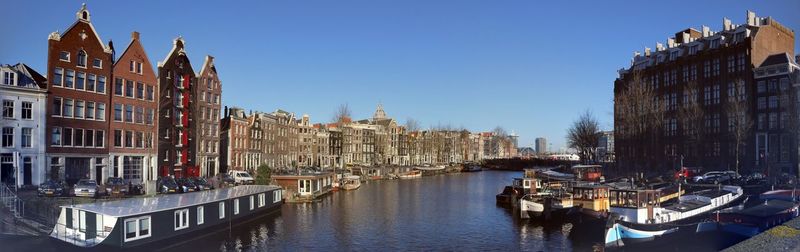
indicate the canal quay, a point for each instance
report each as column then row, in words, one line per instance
column 448, row 212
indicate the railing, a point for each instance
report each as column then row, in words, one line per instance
column 77, row 237
column 11, row 201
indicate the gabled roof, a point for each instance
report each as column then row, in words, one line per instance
column 177, row 49
column 776, row 59
column 106, row 48
column 208, row 64
column 27, row 77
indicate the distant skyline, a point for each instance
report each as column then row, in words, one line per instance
column 529, row 67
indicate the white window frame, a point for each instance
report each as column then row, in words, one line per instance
column 276, row 196
column 183, row 219
column 222, row 210
column 200, row 215
column 138, row 228
column 235, row 206
column 252, row 202
column 262, row 198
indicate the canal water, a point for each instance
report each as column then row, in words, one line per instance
column 442, row 213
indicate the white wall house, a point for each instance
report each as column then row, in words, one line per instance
column 23, row 95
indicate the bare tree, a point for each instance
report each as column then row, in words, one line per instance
column 411, row 125
column 691, row 115
column 584, row 136
column 739, row 120
column 639, row 116
column 342, row 114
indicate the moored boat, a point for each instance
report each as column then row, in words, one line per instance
column 750, row 221
column 138, row 221
column 787, row 195
column 592, row 200
column 411, row 175
column 519, row 187
column 551, row 202
column 351, row 182
column 642, row 211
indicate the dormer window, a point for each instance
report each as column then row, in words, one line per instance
column 693, row 49
column 63, row 56
column 739, row 37
column 97, row 63
column 674, row 55
column 715, row 43
column 81, row 58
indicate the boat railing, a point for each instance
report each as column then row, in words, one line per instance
column 75, row 236
column 11, row 201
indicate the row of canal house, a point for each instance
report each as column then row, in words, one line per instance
column 96, row 114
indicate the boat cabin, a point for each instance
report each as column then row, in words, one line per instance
column 305, row 186
column 591, row 197
column 137, row 221
column 527, row 185
column 588, row 172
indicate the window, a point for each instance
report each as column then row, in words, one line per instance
column 55, row 138
column 715, row 43
column 68, row 108
column 139, row 90
column 8, row 109
column 79, row 109
column 139, row 115
column 200, row 215
column 118, row 86
column 139, row 67
column 276, row 196
column 90, row 111
column 129, row 113
column 222, row 210
column 78, row 138
column 149, row 117
column 101, row 84
column 63, row 56
column 27, row 110
column 139, row 139
column 741, row 61
column 58, row 76
column 236, row 206
column 137, row 228
column 100, row 114
column 150, row 93
column 761, row 87
column 117, row 112
column 89, row 138
column 8, row 137
column 716, row 94
column 181, row 219
column 716, row 67
column 27, row 137
column 97, row 63
column 131, row 66
column 100, row 138
column 693, row 49
column 69, row 80
column 129, row 88
column 128, row 139
column 117, row 138
column 148, row 140
column 81, row 58
column 80, row 81
column 252, row 202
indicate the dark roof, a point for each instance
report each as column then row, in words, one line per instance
column 776, row 59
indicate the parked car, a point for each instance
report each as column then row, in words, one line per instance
column 223, row 180
column 167, row 185
column 201, row 184
column 241, row 177
column 755, row 178
column 116, row 186
column 185, row 185
column 85, row 188
column 687, row 172
column 716, row 177
column 52, row 188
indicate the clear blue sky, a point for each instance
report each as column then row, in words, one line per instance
column 528, row 66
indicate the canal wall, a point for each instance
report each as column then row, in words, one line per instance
column 785, row 237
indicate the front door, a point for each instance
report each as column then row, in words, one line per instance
column 76, row 169
column 27, row 170
column 649, row 212
column 7, row 169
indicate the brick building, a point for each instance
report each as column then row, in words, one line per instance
column 133, row 127
column 207, row 98
column 709, row 70
column 79, row 67
column 178, row 114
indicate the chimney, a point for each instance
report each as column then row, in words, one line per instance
column 706, row 31
column 647, row 51
column 726, row 24
column 226, row 111
column 659, row 47
column 685, row 38
column 751, row 18
column 135, row 35
column 670, row 42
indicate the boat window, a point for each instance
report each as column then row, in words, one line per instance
column 82, row 221
column 276, row 196
column 261, row 200
column 252, row 202
column 181, row 219
column 137, row 228
column 200, row 215
column 222, row 210
column 236, row 206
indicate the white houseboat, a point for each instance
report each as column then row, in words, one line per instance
column 139, row 221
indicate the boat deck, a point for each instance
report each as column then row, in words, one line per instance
column 771, row 207
column 713, row 193
column 686, row 205
column 135, row 206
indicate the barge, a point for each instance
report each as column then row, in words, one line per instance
column 139, row 221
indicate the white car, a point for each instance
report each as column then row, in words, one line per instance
column 241, row 177
column 716, row 177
